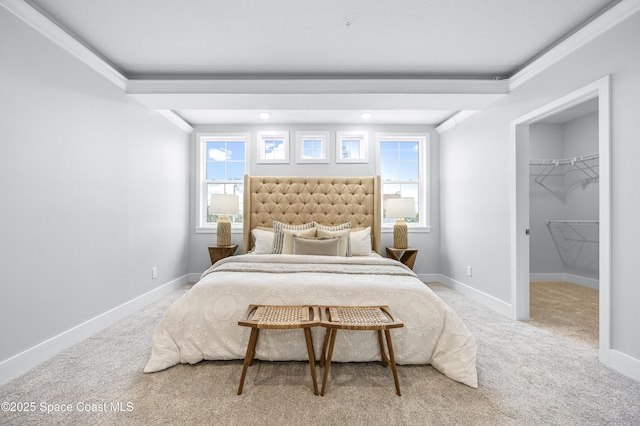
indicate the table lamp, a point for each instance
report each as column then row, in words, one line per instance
column 400, row 208
column 224, row 204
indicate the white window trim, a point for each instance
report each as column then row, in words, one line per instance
column 424, row 186
column 260, row 137
column 302, row 136
column 364, row 146
column 202, row 226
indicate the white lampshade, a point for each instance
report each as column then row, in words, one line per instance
column 401, row 207
column 224, row 204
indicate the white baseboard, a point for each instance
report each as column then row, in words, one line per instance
column 25, row 361
column 489, row 301
column 430, row 278
column 624, row 364
column 576, row 279
column 194, row 277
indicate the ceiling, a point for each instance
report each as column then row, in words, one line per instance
column 316, row 61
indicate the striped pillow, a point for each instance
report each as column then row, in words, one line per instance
column 278, row 235
column 341, row 227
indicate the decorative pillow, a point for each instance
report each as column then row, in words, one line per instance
column 343, row 235
column 263, row 241
column 289, row 234
column 341, row 227
column 316, row 246
column 278, row 235
column 360, row 242
column 346, row 225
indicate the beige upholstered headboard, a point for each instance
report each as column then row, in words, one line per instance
column 298, row 199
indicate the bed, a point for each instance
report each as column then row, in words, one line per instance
column 312, row 240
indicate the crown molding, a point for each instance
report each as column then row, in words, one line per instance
column 318, row 86
column 453, row 121
column 176, row 119
column 54, row 33
column 593, row 29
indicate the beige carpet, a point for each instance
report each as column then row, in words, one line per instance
column 565, row 308
column 527, row 376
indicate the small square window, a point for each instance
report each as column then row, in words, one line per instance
column 352, row 147
column 273, row 147
column 312, row 147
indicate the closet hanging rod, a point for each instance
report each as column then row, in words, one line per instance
column 564, row 161
column 586, row 164
column 575, row 222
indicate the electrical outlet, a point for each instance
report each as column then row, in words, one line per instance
column 154, row 273
column 469, row 271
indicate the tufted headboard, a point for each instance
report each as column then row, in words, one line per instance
column 298, row 199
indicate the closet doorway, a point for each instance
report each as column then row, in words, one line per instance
column 563, row 222
column 523, row 222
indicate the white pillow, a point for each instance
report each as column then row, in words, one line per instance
column 361, row 242
column 344, row 239
column 287, row 242
column 263, row 241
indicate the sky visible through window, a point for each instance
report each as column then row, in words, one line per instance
column 225, row 162
column 400, row 171
column 312, row 149
column 274, row 149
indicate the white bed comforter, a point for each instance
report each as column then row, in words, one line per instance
column 203, row 324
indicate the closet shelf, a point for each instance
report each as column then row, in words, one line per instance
column 575, row 222
column 586, row 164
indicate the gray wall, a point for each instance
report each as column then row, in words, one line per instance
column 562, row 248
column 94, row 192
column 475, row 205
column 427, row 242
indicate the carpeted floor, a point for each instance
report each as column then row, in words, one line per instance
column 565, row 308
column 527, row 376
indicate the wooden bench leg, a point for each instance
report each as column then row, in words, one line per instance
column 327, row 333
column 248, row 358
column 392, row 361
column 312, row 358
column 327, row 367
column 383, row 356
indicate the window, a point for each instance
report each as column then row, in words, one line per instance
column 351, row 147
column 273, row 147
column 221, row 169
column 402, row 164
column 312, row 147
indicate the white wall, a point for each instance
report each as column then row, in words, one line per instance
column 475, row 170
column 562, row 249
column 94, row 192
column 427, row 242
column 546, row 200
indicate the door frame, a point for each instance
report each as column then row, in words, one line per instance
column 519, row 202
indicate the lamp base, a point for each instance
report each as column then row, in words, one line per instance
column 224, row 231
column 400, row 235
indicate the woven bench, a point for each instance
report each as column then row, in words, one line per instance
column 379, row 318
column 279, row 317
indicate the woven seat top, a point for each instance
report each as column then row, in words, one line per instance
column 358, row 316
column 281, row 315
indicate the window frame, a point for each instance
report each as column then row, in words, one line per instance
column 260, row 146
column 362, row 136
column 202, row 201
column 301, row 136
column 424, row 170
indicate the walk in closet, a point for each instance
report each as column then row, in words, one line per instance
column 563, row 218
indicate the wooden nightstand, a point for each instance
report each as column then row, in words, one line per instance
column 220, row 252
column 406, row 256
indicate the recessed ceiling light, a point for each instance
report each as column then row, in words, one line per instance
column 366, row 115
column 265, row 115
